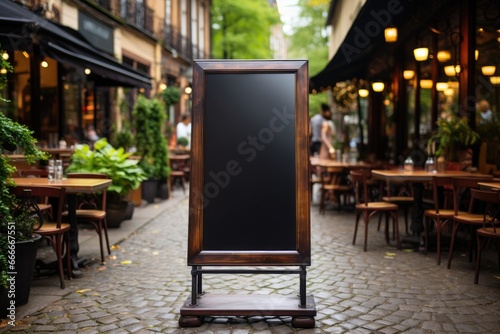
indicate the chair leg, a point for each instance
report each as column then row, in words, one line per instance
column 478, row 258
column 68, row 255
column 105, row 229
column 437, row 224
column 405, row 211
column 322, row 202
column 454, row 233
column 426, row 235
column 387, row 238
column 99, row 233
column 356, row 227
column 366, row 218
column 58, row 249
column 396, row 228
column 498, row 253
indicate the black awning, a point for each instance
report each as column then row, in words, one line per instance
column 19, row 27
column 366, row 34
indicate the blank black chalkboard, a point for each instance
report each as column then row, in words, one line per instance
column 251, row 204
column 249, row 201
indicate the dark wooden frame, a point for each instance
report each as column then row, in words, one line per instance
column 197, row 256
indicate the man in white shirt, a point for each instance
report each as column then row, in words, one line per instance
column 183, row 129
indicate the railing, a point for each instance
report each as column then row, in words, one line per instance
column 137, row 14
column 173, row 39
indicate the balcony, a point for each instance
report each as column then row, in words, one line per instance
column 173, row 39
column 137, row 14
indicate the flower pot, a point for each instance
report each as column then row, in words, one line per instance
column 162, row 190
column 129, row 212
column 19, row 290
column 115, row 213
column 149, row 190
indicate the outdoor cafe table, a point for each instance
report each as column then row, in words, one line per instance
column 417, row 178
column 72, row 187
column 490, row 185
column 350, row 165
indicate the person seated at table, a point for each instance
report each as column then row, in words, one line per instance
column 183, row 129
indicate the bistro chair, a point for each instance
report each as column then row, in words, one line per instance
column 399, row 193
column 55, row 232
column 335, row 185
column 91, row 208
column 177, row 175
column 43, row 203
column 490, row 229
column 473, row 218
column 440, row 214
column 366, row 208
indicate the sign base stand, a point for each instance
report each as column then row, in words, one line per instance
column 248, row 305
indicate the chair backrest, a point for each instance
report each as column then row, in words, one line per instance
column 359, row 177
column 93, row 200
column 399, row 188
column 437, row 184
column 333, row 175
column 32, row 172
column 461, row 191
column 55, row 193
column 492, row 200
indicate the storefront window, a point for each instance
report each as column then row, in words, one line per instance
column 19, row 108
column 488, row 61
column 49, row 99
column 72, row 101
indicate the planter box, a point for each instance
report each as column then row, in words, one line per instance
column 25, row 265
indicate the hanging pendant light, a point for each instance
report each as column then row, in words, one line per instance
column 391, row 34
column 421, row 54
column 378, row 86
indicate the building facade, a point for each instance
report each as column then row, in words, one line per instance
column 79, row 64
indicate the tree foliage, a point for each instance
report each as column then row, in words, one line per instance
column 242, row 29
column 309, row 36
column 308, row 39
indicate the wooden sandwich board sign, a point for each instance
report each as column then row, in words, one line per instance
column 249, row 184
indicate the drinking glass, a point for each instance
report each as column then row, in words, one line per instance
column 51, row 170
column 59, row 170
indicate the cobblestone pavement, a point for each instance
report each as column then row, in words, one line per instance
column 144, row 284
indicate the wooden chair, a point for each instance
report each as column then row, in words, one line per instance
column 92, row 209
column 334, row 185
column 440, row 214
column 177, row 174
column 366, row 208
column 399, row 193
column 490, row 229
column 43, row 203
column 471, row 217
column 56, row 232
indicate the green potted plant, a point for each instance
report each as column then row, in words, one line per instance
column 452, row 134
column 160, row 150
column 126, row 175
column 16, row 228
column 124, row 138
column 170, row 95
column 149, row 117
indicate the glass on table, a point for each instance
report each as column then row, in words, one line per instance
column 58, row 170
column 51, row 170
